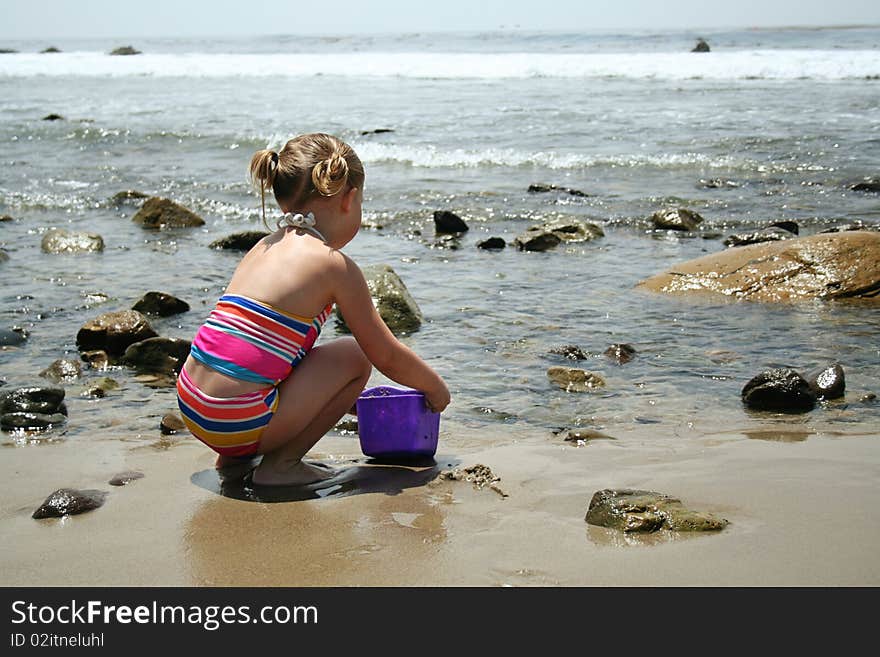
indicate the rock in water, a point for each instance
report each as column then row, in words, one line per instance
column 58, row 240
column 621, row 353
column 541, row 188
column 127, row 196
column 161, row 304
column 239, row 241
column 123, row 478
column 701, row 46
column 829, row 383
column 392, row 299
column 171, row 424
column 33, row 399
column 781, row 389
column 647, row 511
column 164, row 213
column 157, row 354
column 10, row 337
column 570, row 351
column 30, row 421
column 824, row 266
column 676, row 219
column 772, row 234
column 446, row 222
column 492, row 244
column 867, row 185
column 62, row 370
column 572, row 379
column 125, row 50
column 68, row 502
column 114, row 332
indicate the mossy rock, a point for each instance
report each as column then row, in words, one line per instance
column 396, row 306
column 632, row 511
column 159, row 212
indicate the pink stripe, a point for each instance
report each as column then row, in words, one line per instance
column 241, row 401
column 259, row 361
column 254, row 328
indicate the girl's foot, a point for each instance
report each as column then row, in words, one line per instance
column 296, row 474
column 230, row 468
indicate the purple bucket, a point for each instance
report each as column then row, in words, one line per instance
column 396, row 423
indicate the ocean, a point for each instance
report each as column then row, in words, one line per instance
column 786, row 119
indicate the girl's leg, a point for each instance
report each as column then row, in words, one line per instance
column 319, row 391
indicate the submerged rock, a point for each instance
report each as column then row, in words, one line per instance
column 376, row 131
column 547, row 236
column 99, row 388
column 867, row 185
column 572, row 379
column 828, row 383
column 536, row 239
column 446, row 222
column 126, row 477
column 701, row 46
column 583, row 436
column 12, row 337
column 570, row 351
column 824, row 266
column 171, row 424
column 540, row 188
column 676, row 219
column 33, row 399
column 69, row 502
column 49, row 50
column 621, row 353
column 781, row 389
column 772, row 234
column 125, row 50
column 6, row 217
column 27, row 421
column 164, row 213
column 392, row 300
column 492, row 244
column 127, row 196
column 62, row 370
column 157, row 354
column 244, row 241
column 647, row 511
column 97, row 359
column 718, row 183
column 59, row 240
column 114, row 332
column 53, row 117
column 161, row 304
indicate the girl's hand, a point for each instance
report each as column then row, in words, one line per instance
column 437, row 400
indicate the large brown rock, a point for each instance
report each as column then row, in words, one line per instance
column 114, row 332
column 647, row 511
column 164, row 213
column 824, row 266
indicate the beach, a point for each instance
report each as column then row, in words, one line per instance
column 508, row 131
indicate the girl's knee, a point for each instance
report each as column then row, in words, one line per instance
column 361, row 365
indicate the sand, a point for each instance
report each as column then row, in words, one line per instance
column 802, row 508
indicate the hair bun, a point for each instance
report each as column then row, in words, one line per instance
column 330, row 176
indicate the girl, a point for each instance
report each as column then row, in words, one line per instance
column 253, row 383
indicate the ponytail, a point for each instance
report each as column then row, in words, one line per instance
column 264, row 166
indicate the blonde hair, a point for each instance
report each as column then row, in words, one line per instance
column 316, row 163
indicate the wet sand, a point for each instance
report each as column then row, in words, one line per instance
column 802, row 509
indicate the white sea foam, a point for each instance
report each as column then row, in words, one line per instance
column 760, row 64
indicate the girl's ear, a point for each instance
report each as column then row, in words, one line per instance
column 348, row 199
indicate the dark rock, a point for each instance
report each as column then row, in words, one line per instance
column 164, row 213
column 97, row 359
column 572, row 379
column 157, row 354
column 171, row 423
column 718, row 183
column 582, row 436
column 870, row 397
column 127, row 196
column 69, row 502
column 50, row 49
column 824, row 266
column 539, row 188
column 11, row 337
column 126, row 477
column 855, row 225
column 59, row 240
column 647, row 511
column 449, row 241
column 537, row 240
column 377, row 131
column 26, row 421
column 100, row 388
column 392, row 300
column 828, row 383
column 781, row 389
column 114, row 332
column 8, row 51
column 621, row 353
column 125, row 50
column 239, row 241
column 676, row 219
column 161, row 304
column 62, row 370
column 867, row 185
column 570, row 351
column 448, row 222
column 574, row 231
column 33, row 399
column 53, row 117
column 492, row 244
column 701, row 46
column 790, row 226
column 6, row 217
column 764, row 235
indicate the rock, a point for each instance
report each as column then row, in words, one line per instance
column 828, row 383
column 718, row 183
column 855, row 225
column 492, row 244
column 157, row 354
column 570, row 351
column 62, row 370
column 575, row 231
column 870, row 397
column 12, row 337
column 114, row 332
column 127, row 196
column 479, row 475
column 161, row 304
column 171, row 423
column 346, row 427
column 97, row 359
column 164, row 213
column 786, row 224
column 3, row 256
column 395, row 304
column 99, row 388
column 824, row 266
column 701, row 46
column 781, row 389
column 8, row 51
column 647, row 511
column 33, row 399
column 59, row 240
column 53, row 117
column 539, row 188
column 50, row 49
column 449, row 241
column 583, row 436
column 27, row 421
column 125, row 50
column 571, row 379
column 867, row 185
column 536, row 240
column 68, row 502
column 676, row 219
column 764, row 235
column 377, row 131
column 126, row 477
column 621, row 353
column 239, row 241
column 6, row 217
column 448, row 222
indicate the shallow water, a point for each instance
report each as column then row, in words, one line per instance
column 791, row 139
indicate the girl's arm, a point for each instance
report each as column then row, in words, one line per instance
column 387, row 354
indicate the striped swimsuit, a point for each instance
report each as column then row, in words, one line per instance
column 248, row 340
